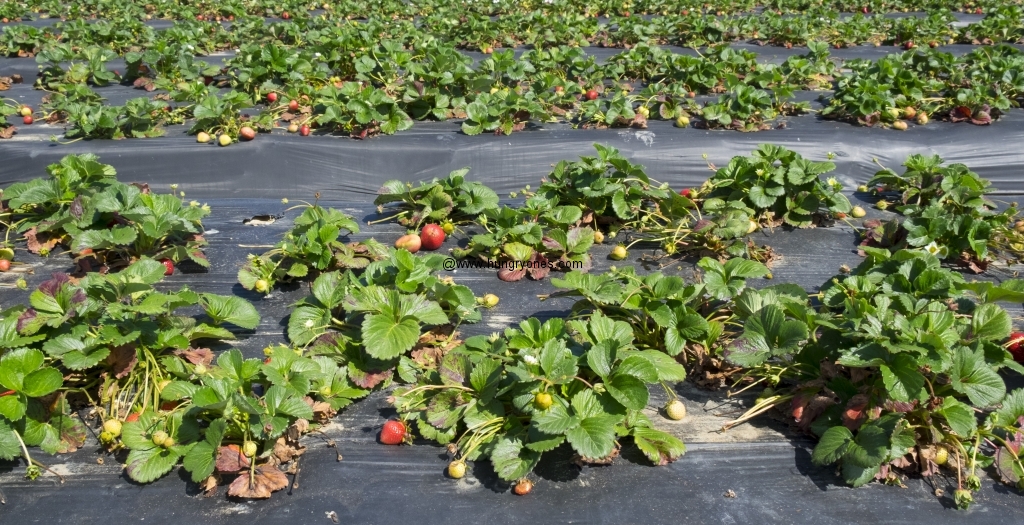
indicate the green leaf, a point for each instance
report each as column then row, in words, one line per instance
column 991, row 322
column 306, row 323
column 659, row 447
column 149, row 464
column 485, row 377
column 972, row 376
column 1012, row 409
column 629, row 390
column 555, row 420
column 902, row 378
column 667, row 368
column 10, row 447
column 594, row 438
column 20, row 371
column 959, row 416
column 557, row 361
column 42, row 382
column 832, row 446
column 600, row 358
column 512, row 460
column 234, row 310
column 385, row 338
column 202, row 458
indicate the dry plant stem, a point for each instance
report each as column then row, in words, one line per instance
column 758, row 409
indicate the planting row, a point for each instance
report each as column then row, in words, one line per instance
column 16, row 10
column 384, row 90
column 129, row 33
column 886, row 366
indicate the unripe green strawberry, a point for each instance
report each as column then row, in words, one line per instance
column 899, row 125
column 262, row 286
column 752, row 227
column 542, row 401
column 159, row 437
column 682, row 121
column 112, row 426
column 457, row 469
column 675, row 410
column 619, row 253
column 598, row 236
column 168, row 443
column 106, row 437
column 490, row 300
column 249, row 449
column 941, row 456
column 858, row 212
column 448, row 227
column 200, row 369
column 922, row 118
column 863, row 188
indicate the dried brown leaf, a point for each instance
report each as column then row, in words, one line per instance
column 122, row 360
column 266, row 480
column 231, row 459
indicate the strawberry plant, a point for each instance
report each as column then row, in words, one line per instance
column 8, row 109
column 746, row 108
column 503, row 112
column 138, row 118
column 509, row 399
column 776, row 186
column 373, row 317
column 107, row 339
column 665, row 314
column 238, row 417
column 312, row 245
column 607, row 189
column 88, row 65
column 947, row 214
column 360, row 111
column 216, row 114
column 452, row 199
column 890, row 370
column 83, row 206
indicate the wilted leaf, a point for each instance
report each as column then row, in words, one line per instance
column 266, row 480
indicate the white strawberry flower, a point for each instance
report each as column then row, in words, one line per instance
column 530, row 359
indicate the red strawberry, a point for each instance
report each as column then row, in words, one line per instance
column 28, row 120
column 304, row 130
column 591, row 94
column 1016, row 346
column 132, row 418
column 271, row 97
column 285, row 15
column 293, row 105
column 169, row 265
column 686, row 192
column 393, row 433
column 431, row 237
column 5, row 265
column 247, row 133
